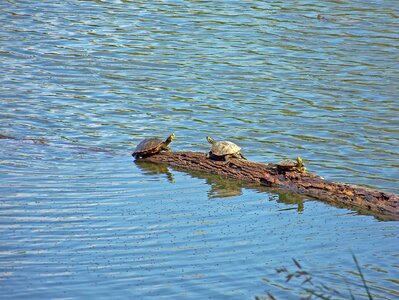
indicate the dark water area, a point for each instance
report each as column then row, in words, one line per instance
column 82, row 82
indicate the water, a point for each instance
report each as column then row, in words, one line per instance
column 84, row 81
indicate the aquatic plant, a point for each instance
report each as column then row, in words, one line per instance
column 313, row 288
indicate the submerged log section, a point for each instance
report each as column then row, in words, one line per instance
column 312, row 185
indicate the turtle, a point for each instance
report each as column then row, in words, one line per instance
column 151, row 146
column 223, row 150
column 291, row 165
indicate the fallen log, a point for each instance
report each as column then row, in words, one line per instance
column 361, row 198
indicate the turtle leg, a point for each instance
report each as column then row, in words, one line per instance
column 238, row 155
column 166, row 148
column 226, row 159
column 209, row 154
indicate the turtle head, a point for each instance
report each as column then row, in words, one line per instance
column 170, row 139
column 300, row 161
column 210, row 140
column 300, row 164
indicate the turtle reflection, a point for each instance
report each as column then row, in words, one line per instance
column 222, row 187
column 149, row 168
column 291, row 198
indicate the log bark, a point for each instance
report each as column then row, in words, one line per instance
column 361, row 198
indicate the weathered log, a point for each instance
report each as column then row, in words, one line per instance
column 352, row 196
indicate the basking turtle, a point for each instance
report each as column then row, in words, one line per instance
column 151, row 146
column 291, row 165
column 223, row 150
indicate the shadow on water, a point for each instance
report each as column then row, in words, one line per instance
column 222, row 187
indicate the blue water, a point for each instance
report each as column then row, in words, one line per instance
column 82, row 82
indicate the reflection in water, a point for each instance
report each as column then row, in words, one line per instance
column 149, row 168
column 226, row 187
column 291, row 198
column 223, row 187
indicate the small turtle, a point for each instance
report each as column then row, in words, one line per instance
column 291, row 165
column 223, row 150
column 151, row 146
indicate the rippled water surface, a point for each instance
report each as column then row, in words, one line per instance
column 82, row 82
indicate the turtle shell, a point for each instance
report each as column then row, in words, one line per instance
column 291, row 165
column 288, row 163
column 222, row 148
column 148, row 146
